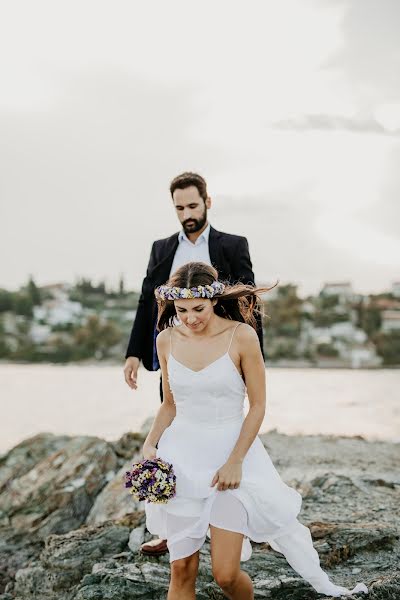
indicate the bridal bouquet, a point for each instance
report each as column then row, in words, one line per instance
column 152, row 480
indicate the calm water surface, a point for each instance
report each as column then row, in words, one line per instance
column 95, row 400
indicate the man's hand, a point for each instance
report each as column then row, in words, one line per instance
column 228, row 476
column 130, row 371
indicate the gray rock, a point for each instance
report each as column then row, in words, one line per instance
column 23, row 457
column 57, row 494
column 354, row 520
column 136, row 538
column 114, row 501
column 111, row 581
column 337, row 543
column 128, row 446
column 54, row 496
column 66, row 559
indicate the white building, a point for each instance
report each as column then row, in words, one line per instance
column 346, row 330
column 342, row 289
column 59, row 291
column 364, row 356
column 390, row 320
column 308, row 307
column 358, row 355
column 320, row 335
column 39, row 333
column 396, row 289
column 342, row 329
column 9, row 322
column 58, row 312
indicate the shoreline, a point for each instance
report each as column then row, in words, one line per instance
column 300, row 365
column 264, row 435
column 77, row 399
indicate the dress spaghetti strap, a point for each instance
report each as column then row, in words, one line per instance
column 233, row 333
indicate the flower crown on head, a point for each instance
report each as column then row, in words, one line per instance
column 165, row 292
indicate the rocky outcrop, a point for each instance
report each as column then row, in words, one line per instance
column 70, row 531
column 113, row 502
column 27, row 454
column 66, row 559
column 57, row 493
column 54, row 494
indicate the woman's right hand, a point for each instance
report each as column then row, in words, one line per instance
column 149, row 451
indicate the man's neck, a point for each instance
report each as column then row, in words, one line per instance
column 196, row 234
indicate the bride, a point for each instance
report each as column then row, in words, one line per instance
column 226, row 484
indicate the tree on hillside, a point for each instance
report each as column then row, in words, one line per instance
column 22, row 304
column 284, row 313
column 121, row 286
column 370, row 319
column 6, row 301
column 33, row 292
column 96, row 337
column 388, row 346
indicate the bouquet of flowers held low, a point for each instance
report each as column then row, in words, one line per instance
column 152, row 480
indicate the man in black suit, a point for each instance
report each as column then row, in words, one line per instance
column 198, row 241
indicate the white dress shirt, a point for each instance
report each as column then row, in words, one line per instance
column 188, row 251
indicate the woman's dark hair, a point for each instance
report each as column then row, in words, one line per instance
column 185, row 180
column 238, row 302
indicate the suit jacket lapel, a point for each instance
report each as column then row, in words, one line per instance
column 163, row 268
column 214, row 247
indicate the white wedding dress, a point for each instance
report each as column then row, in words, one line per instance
column 209, row 416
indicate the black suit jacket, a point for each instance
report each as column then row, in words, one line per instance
column 229, row 254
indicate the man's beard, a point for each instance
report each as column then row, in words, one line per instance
column 195, row 224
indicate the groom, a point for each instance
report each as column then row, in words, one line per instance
column 197, row 241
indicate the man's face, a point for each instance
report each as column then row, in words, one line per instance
column 191, row 209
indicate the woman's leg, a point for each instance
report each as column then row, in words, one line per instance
column 226, row 547
column 183, row 578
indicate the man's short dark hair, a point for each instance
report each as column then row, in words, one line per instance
column 185, row 180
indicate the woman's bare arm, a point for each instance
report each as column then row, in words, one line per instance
column 253, row 369
column 229, row 475
column 167, row 411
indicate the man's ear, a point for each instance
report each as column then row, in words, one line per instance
column 208, row 202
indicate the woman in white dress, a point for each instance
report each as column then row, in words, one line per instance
column 226, row 484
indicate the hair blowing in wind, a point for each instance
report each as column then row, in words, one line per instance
column 238, row 302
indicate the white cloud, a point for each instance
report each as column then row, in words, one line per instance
column 103, row 104
column 388, row 115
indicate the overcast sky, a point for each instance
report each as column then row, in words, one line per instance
column 290, row 109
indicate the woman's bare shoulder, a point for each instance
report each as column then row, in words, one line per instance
column 163, row 338
column 246, row 335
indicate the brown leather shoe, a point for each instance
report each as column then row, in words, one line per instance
column 155, row 547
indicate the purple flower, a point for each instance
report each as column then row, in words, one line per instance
column 151, row 480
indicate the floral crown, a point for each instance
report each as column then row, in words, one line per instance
column 165, row 292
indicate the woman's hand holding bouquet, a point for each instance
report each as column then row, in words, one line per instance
column 151, row 479
column 149, row 451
